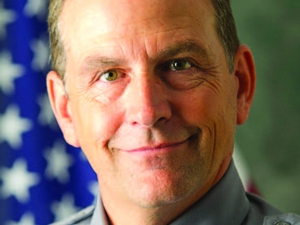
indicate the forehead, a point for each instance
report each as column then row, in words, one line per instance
column 107, row 16
column 130, row 10
column 100, row 23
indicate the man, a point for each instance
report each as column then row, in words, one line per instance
column 152, row 92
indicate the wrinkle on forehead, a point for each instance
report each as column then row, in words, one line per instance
column 181, row 47
column 108, row 23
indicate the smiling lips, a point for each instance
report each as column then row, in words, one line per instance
column 163, row 146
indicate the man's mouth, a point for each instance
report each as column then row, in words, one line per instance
column 157, row 147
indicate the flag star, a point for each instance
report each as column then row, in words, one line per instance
column 83, row 156
column 12, row 126
column 65, row 208
column 26, row 219
column 9, row 72
column 6, row 17
column 46, row 116
column 17, row 181
column 94, row 188
column 36, row 8
column 41, row 54
column 58, row 162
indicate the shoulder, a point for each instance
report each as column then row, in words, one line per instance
column 261, row 206
column 82, row 217
column 261, row 212
column 283, row 219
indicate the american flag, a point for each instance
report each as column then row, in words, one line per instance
column 42, row 179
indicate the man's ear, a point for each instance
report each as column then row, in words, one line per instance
column 245, row 74
column 61, row 107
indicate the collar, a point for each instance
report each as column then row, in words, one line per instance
column 99, row 215
column 227, row 194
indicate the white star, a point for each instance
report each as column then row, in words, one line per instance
column 9, row 72
column 83, row 156
column 65, row 208
column 36, row 8
column 12, row 126
column 26, row 219
column 41, row 54
column 17, row 181
column 58, row 162
column 94, row 189
column 46, row 116
column 6, row 17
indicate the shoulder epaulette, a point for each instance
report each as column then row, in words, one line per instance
column 283, row 219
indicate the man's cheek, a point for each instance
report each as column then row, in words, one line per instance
column 102, row 123
column 200, row 108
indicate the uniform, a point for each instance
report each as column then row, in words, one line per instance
column 226, row 203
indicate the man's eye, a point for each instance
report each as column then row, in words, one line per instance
column 180, row 64
column 110, row 75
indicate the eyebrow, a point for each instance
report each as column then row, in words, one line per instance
column 185, row 46
column 94, row 61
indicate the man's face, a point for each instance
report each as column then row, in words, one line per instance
column 151, row 100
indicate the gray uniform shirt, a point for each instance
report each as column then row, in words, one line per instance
column 226, row 203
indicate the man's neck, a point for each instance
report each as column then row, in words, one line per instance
column 122, row 212
column 142, row 216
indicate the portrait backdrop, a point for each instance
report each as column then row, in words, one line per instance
column 42, row 179
column 270, row 138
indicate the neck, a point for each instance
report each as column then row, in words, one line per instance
column 136, row 215
column 121, row 211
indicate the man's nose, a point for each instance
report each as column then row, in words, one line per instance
column 147, row 101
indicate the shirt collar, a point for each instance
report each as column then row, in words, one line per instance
column 99, row 215
column 225, row 203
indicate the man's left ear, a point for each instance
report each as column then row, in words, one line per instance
column 244, row 71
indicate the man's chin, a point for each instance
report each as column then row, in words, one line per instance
column 157, row 200
column 158, row 190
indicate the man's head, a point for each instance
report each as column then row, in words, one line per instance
column 224, row 25
column 151, row 99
